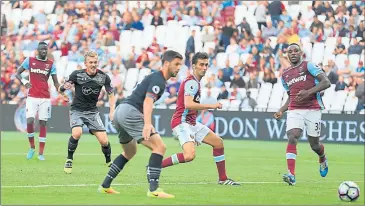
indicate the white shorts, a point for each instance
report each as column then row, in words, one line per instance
column 189, row 133
column 40, row 105
column 311, row 119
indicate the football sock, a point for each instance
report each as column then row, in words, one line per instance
column 154, row 170
column 114, row 170
column 72, row 145
column 30, row 131
column 320, row 151
column 218, row 154
column 107, row 150
column 42, row 138
column 173, row 160
column 291, row 154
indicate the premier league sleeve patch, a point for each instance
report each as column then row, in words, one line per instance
column 156, row 89
column 191, row 88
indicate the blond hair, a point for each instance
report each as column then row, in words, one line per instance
column 91, row 54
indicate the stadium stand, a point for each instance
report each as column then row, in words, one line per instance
column 245, row 38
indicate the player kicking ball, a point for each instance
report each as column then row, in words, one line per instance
column 38, row 100
column 133, row 121
column 184, row 124
column 88, row 84
column 304, row 82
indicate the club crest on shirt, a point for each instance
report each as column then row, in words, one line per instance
column 99, row 79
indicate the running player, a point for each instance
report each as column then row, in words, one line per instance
column 88, row 84
column 304, row 81
column 38, row 100
column 187, row 130
column 133, row 121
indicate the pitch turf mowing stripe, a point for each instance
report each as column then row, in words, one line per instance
column 174, row 183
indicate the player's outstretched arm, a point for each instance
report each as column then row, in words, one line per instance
column 190, row 104
column 24, row 66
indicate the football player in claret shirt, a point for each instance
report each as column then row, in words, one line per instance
column 304, row 82
column 188, row 130
column 38, row 100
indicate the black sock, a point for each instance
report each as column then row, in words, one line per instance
column 154, row 170
column 72, row 145
column 114, row 170
column 107, row 150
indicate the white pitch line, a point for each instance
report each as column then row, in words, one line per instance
column 98, row 154
column 139, row 184
column 130, row 184
column 53, row 154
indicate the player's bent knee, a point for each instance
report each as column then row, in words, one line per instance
column 76, row 132
column 101, row 136
column 292, row 140
column 155, row 144
column 189, row 156
column 294, row 135
column 161, row 148
column 189, row 151
column 30, row 120
column 220, row 143
column 42, row 123
column 103, row 140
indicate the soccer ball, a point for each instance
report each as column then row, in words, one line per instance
column 348, row 191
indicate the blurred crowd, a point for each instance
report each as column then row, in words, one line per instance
column 73, row 27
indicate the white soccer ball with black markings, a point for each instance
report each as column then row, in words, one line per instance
column 348, row 191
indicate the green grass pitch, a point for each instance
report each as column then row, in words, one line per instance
column 258, row 165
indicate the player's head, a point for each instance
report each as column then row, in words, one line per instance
column 294, row 53
column 42, row 50
column 200, row 63
column 172, row 61
column 91, row 61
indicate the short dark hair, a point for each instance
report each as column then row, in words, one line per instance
column 199, row 55
column 42, row 43
column 295, row 44
column 171, row 55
